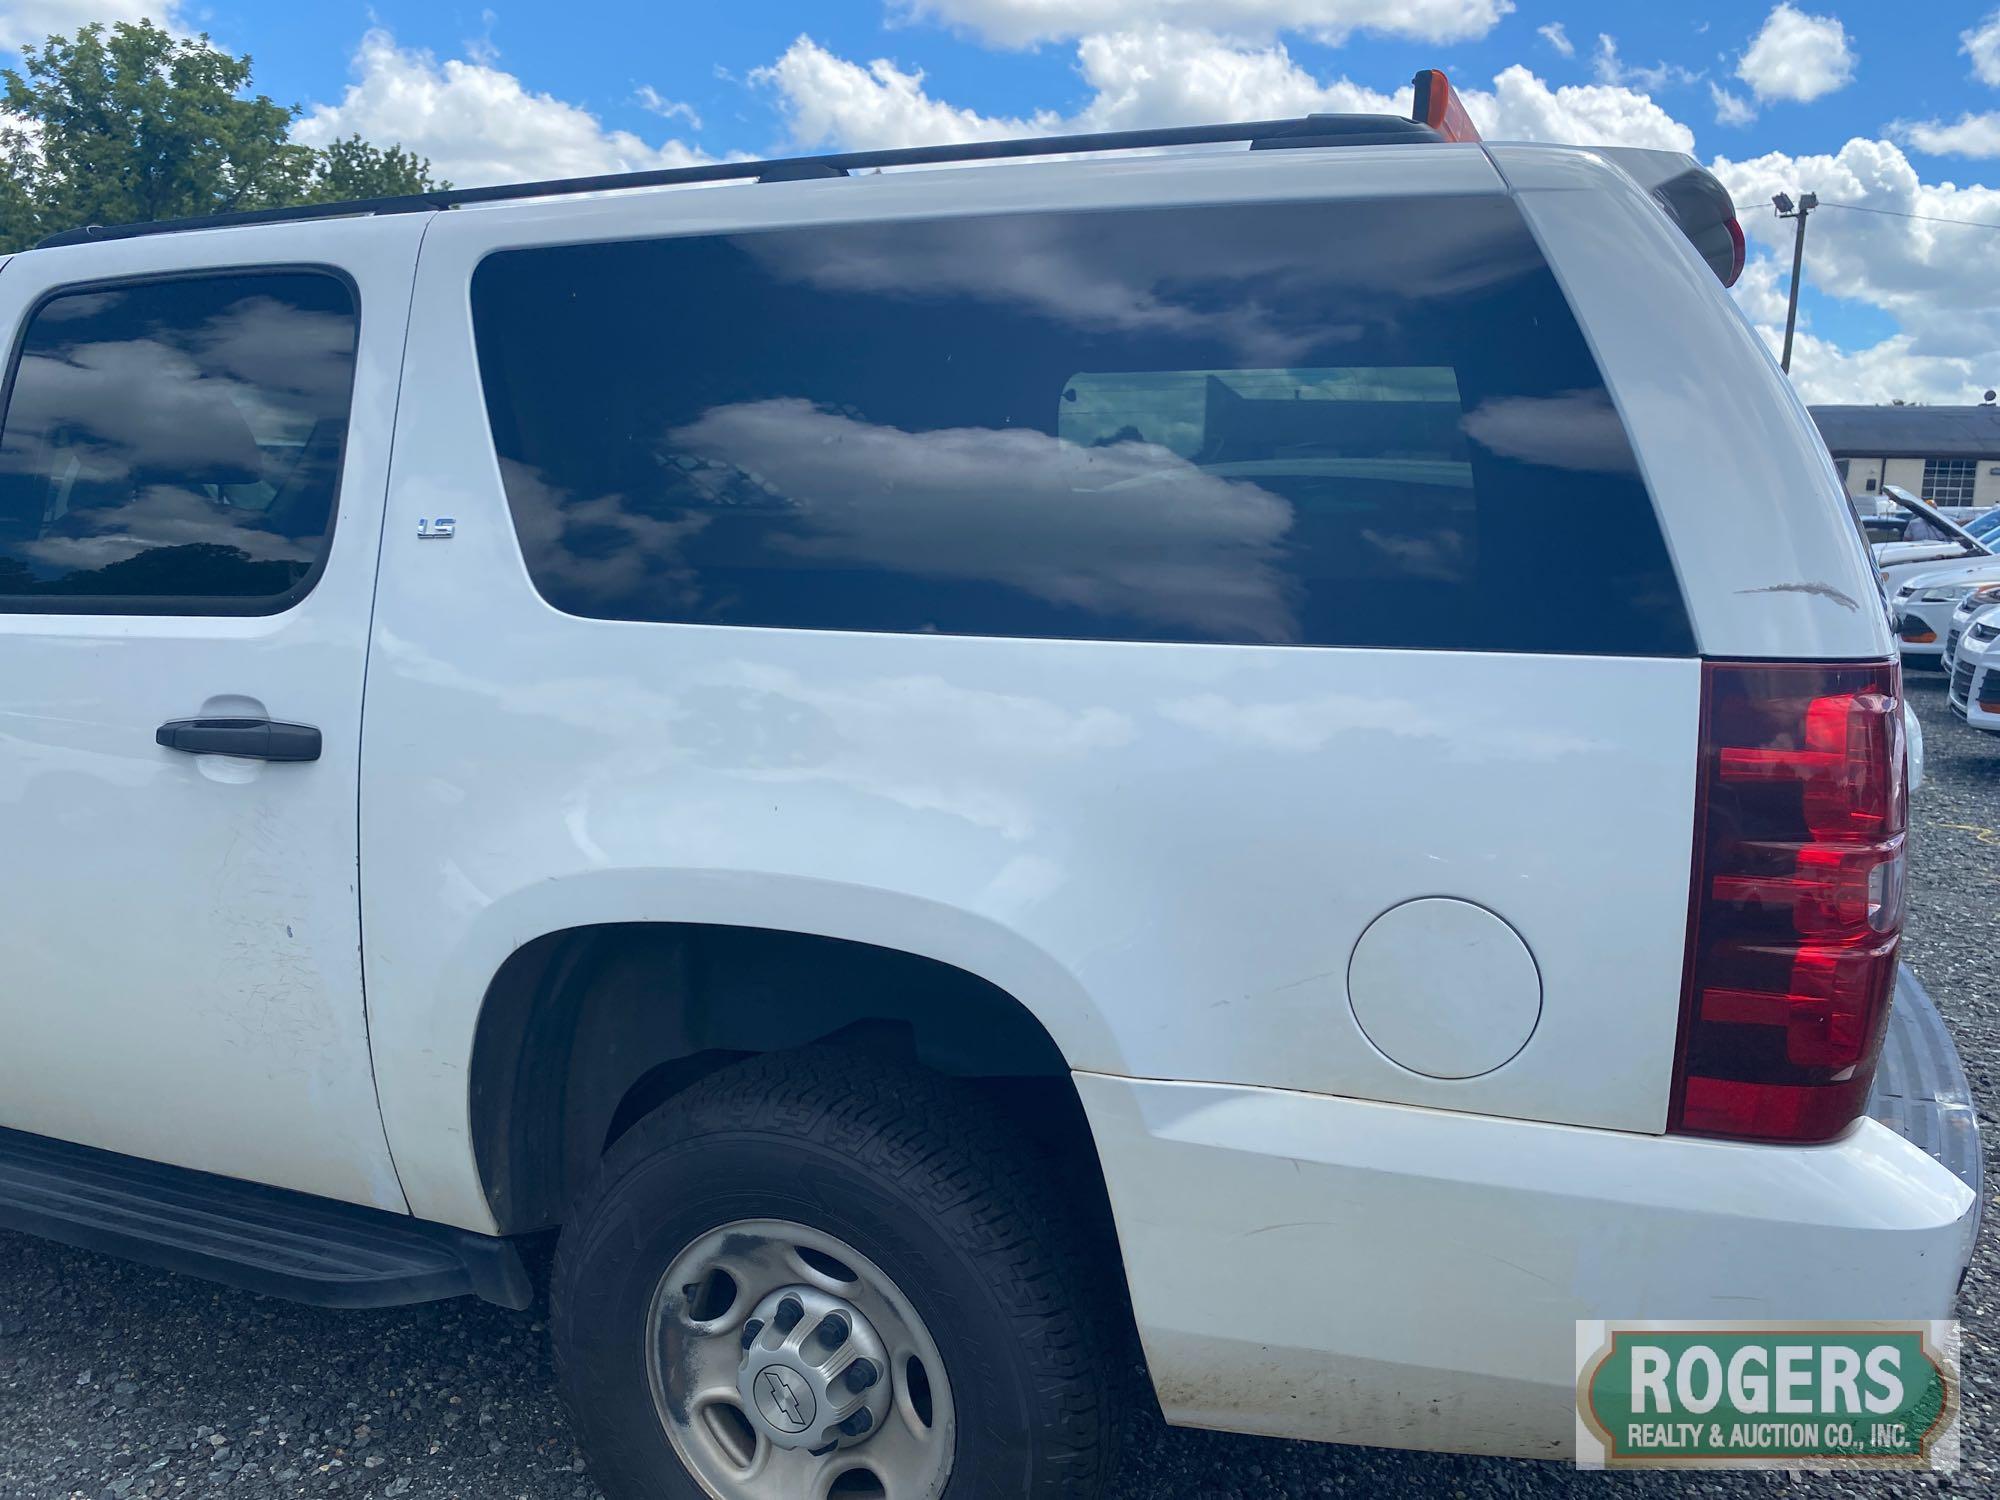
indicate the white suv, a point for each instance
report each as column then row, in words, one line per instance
column 935, row 765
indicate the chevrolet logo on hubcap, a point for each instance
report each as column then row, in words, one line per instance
column 784, row 1399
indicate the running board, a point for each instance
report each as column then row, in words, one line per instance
column 242, row 1234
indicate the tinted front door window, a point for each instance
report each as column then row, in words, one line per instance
column 175, row 445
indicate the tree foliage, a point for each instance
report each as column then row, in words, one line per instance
column 130, row 122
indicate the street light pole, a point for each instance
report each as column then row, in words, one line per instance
column 1807, row 203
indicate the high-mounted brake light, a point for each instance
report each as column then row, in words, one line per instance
column 1798, row 898
column 1735, row 229
column 1437, row 105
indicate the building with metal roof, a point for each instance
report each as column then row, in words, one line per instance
column 1950, row 455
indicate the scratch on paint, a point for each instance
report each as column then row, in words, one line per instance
column 1821, row 590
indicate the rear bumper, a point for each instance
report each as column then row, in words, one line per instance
column 1315, row 1267
column 1921, row 1091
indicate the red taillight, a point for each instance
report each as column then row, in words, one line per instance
column 1798, row 898
column 1736, row 252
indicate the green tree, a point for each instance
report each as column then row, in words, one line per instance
column 131, row 122
column 351, row 168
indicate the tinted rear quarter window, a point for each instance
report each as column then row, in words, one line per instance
column 174, row 446
column 1351, row 423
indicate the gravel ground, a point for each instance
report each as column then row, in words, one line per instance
column 117, row 1381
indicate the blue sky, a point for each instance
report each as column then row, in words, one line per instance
column 1892, row 107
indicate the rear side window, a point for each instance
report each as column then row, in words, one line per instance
column 174, row 446
column 1353, row 423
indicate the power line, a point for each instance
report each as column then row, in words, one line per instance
column 1896, row 213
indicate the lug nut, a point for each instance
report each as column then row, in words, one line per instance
column 750, row 1331
column 862, row 1374
column 833, row 1331
column 788, row 1314
column 859, row 1423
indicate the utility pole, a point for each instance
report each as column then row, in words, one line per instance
column 1807, row 203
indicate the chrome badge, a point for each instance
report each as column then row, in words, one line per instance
column 440, row 530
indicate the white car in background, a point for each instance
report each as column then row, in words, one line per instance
column 1984, row 526
column 1922, row 603
column 1982, row 596
column 1975, row 675
column 1900, row 560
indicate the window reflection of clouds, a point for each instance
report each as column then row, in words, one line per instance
column 200, row 417
column 1570, row 430
column 1238, row 423
column 162, row 516
column 1115, row 273
column 151, row 402
column 1057, row 521
column 602, row 548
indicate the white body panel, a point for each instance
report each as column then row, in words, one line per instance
column 184, row 977
column 1166, row 852
column 1769, row 559
column 1410, row 1278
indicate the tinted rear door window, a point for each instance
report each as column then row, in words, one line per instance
column 174, row 446
column 1353, row 423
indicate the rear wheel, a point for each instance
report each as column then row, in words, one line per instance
column 819, row 1275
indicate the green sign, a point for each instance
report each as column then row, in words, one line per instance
column 1780, row 1395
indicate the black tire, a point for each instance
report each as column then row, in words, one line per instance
column 914, row 1172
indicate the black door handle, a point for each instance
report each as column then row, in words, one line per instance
column 255, row 739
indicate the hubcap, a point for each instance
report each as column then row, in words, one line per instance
column 786, row 1366
column 812, row 1368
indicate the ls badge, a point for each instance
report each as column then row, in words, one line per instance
column 440, row 530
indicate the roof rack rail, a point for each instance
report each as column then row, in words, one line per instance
column 1311, row 130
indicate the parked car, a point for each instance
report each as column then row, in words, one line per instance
column 858, row 748
column 1979, row 597
column 1984, row 527
column 1923, row 602
column 1901, row 559
column 1975, row 674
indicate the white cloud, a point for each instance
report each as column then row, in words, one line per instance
column 1557, row 38
column 829, row 100
column 1973, row 135
column 654, row 102
column 1982, row 45
column 1881, row 373
column 1757, row 290
column 1932, row 277
column 1162, row 76
column 1521, row 107
column 1731, row 109
column 1020, row 23
column 1611, row 68
column 1797, row 56
column 476, row 123
column 1824, row 372
column 33, row 22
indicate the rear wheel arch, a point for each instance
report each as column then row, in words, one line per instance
column 585, row 1030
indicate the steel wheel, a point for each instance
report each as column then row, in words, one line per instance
column 785, row 1365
